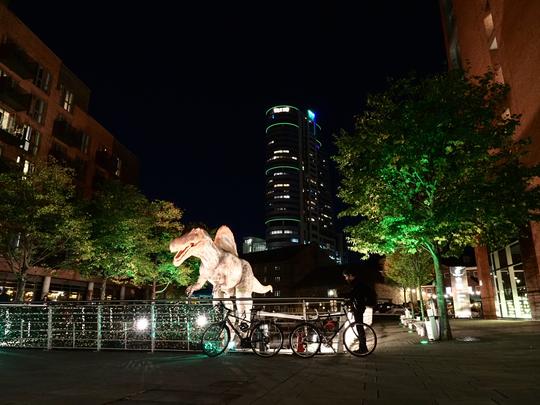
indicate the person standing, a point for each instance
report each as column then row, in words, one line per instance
column 360, row 296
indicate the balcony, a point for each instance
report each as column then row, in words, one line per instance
column 9, row 138
column 67, row 134
column 13, row 96
column 106, row 161
column 17, row 60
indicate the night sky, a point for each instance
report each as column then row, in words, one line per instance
column 185, row 85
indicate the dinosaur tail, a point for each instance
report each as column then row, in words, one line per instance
column 259, row 288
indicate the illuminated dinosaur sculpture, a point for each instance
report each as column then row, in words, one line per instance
column 220, row 264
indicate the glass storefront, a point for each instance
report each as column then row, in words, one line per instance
column 509, row 280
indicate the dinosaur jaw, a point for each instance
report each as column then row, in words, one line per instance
column 181, row 256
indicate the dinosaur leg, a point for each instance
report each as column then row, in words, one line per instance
column 244, row 302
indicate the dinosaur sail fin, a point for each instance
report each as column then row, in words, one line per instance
column 224, row 240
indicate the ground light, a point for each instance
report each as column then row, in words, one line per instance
column 141, row 324
column 424, row 342
column 201, row 321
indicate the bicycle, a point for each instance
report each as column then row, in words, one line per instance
column 264, row 337
column 306, row 339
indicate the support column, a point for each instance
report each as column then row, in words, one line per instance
column 530, row 254
column 90, row 291
column 487, row 290
column 122, row 292
column 45, row 288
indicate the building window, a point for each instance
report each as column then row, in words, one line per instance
column 118, row 170
column 67, row 100
column 31, row 139
column 37, row 110
column 277, row 279
column 27, row 166
column 277, row 293
column 85, row 142
column 7, row 121
column 42, row 79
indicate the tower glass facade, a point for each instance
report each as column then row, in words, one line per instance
column 298, row 200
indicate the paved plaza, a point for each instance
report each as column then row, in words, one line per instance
column 489, row 362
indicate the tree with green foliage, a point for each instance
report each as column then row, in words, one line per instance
column 410, row 270
column 40, row 223
column 432, row 164
column 158, row 268
column 119, row 233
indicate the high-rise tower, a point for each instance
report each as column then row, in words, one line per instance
column 298, row 199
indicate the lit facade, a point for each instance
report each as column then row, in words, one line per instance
column 504, row 35
column 44, row 112
column 298, row 198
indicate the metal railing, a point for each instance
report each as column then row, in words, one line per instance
column 132, row 325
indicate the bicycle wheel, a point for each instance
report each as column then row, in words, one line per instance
column 305, row 340
column 266, row 339
column 215, row 339
column 359, row 339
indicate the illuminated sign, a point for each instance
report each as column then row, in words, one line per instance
column 281, row 109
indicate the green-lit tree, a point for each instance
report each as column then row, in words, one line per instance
column 410, row 270
column 432, row 165
column 158, row 269
column 119, row 236
column 40, row 223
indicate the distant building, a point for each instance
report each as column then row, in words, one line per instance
column 298, row 195
column 504, row 35
column 44, row 112
column 252, row 244
column 307, row 271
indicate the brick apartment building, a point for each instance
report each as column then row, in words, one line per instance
column 504, row 35
column 44, row 112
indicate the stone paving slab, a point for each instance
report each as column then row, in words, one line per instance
column 500, row 366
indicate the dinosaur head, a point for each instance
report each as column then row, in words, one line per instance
column 188, row 245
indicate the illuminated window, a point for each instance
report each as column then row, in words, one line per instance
column 282, row 185
column 118, row 170
column 493, row 46
column 27, row 166
column 294, row 240
column 284, row 196
column 67, row 101
column 279, row 174
column 287, row 231
column 280, row 151
column 31, row 139
column 488, row 25
column 278, row 232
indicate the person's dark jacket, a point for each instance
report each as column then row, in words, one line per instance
column 360, row 296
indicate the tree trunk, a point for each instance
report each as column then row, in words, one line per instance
column 422, row 307
column 21, row 285
column 154, row 285
column 104, row 289
column 444, row 324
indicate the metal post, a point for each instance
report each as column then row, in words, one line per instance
column 304, row 309
column 98, row 338
column 152, row 326
column 188, row 332
column 21, row 334
column 49, row 327
column 125, row 335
